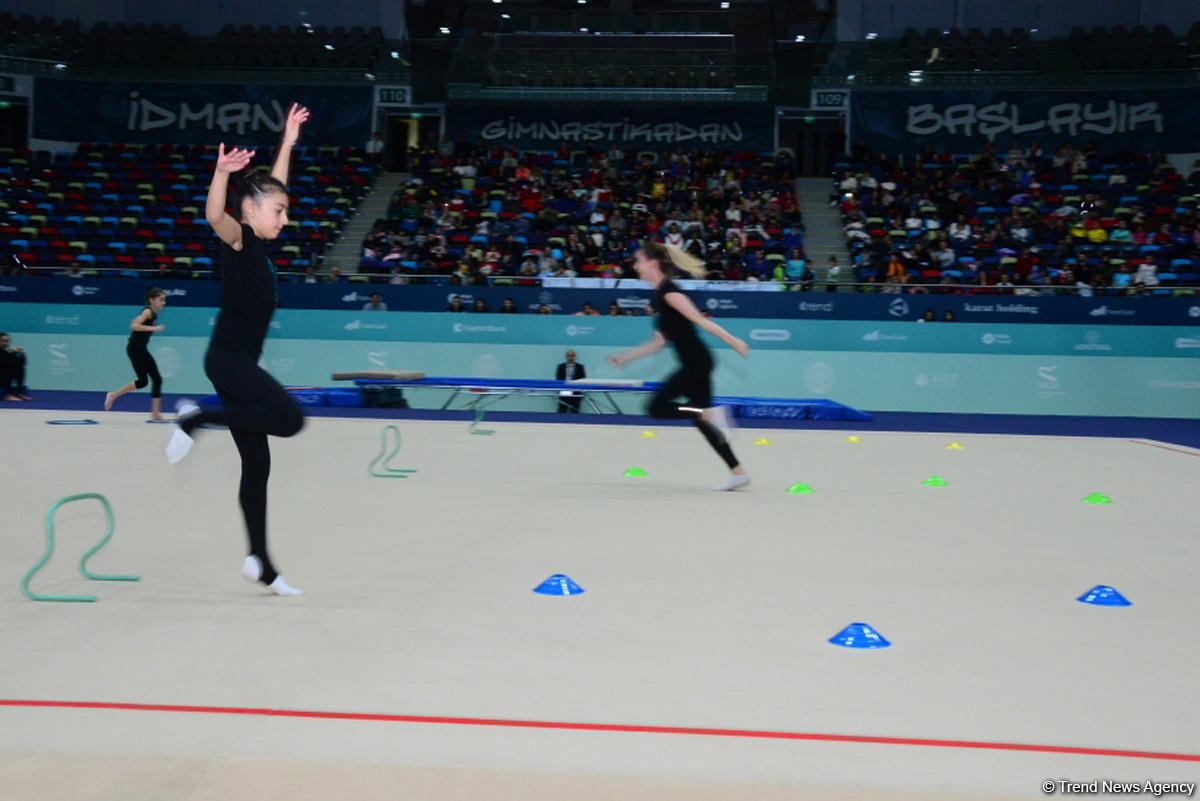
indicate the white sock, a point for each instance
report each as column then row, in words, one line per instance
column 252, row 571
column 178, row 446
column 252, row 568
column 180, row 443
column 281, row 587
column 735, row 482
column 186, row 407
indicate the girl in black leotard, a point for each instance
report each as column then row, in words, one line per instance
column 144, row 326
column 253, row 404
column 676, row 323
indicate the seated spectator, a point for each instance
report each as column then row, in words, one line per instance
column 480, row 306
column 375, row 303
column 508, row 307
column 12, row 370
column 544, row 309
column 807, row 279
column 960, row 229
column 587, row 311
column 456, row 304
column 335, row 276
column 72, row 271
column 569, row 370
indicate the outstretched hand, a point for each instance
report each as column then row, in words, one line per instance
column 615, row 360
column 297, row 116
column 233, row 160
column 740, row 347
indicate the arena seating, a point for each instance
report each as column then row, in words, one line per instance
column 560, row 205
column 157, row 45
column 1064, row 207
column 136, row 209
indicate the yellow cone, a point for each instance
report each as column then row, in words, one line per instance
column 762, row 441
column 648, row 435
column 954, row 446
column 853, row 439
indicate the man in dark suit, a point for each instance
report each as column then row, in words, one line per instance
column 570, row 370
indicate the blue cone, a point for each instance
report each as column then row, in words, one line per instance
column 1103, row 595
column 558, row 584
column 859, row 635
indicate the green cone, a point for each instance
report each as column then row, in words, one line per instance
column 935, row 481
column 634, row 471
column 1097, row 497
column 800, row 489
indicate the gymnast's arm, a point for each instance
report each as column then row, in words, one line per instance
column 139, row 323
column 225, row 226
column 297, row 116
column 653, row 345
column 683, row 304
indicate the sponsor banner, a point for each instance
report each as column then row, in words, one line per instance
column 195, row 113
column 734, row 127
column 1094, row 312
column 859, row 375
column 1141, row 121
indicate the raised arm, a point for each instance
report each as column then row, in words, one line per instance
column 225, row 226
column 297, row 116
column 683, row 304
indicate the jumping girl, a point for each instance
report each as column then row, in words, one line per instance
column 253, row 404
column 676, row 322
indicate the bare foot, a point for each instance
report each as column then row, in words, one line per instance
column 24, row 397
column 108, row 401
column 158, row 418
column 11, row 398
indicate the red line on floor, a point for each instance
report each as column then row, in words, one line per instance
column 1164, row 447
column 614, row 727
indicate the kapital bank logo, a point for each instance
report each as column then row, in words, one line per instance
column 359, row 325
column 770, row 334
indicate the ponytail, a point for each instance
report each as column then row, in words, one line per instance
column 673, row 256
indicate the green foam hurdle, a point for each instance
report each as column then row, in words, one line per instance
column 474, row 427
column 386, row 470
column 33, row 596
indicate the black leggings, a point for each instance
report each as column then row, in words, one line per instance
column 145, row 368
column 692, row 381
column 254, row 406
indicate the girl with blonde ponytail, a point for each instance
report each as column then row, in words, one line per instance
column 677, row 322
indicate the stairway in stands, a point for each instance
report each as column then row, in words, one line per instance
column 347, row 251
column 822, row 228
